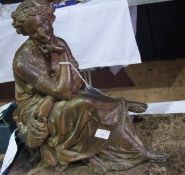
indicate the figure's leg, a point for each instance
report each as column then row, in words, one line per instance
column 136, row 142
column 136, row 107
column 134, row 138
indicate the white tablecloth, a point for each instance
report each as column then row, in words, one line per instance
column 99, row 34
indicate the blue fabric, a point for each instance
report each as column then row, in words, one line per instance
column 7, row 126
column 13, row 1
column 67, row 3
column 7, row 116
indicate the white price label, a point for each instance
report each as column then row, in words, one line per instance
column 103, row 134
column 10, row 153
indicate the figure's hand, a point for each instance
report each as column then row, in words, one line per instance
column 38, row 129
column 37, row 133
column 46, row 48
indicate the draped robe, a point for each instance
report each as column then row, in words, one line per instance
column 73, row 122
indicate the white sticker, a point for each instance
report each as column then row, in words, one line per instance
column 103, row 134
column 10, row 153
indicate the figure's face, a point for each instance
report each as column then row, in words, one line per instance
column 39, row 28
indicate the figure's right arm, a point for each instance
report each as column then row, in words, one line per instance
column 59, row 89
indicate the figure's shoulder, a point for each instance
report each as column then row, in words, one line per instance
column 21, row 57
column 25, row 47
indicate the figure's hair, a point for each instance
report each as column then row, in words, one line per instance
column 30, row 8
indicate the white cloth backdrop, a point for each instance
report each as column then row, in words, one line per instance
column 133, row 15
column 99, row 34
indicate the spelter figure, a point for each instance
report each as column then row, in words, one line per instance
column 58, row 120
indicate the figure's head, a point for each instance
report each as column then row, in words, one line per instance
column 35, row 19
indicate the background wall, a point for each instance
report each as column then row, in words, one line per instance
column 161, row 30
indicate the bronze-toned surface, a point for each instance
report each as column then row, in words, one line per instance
column 54, row 117
column 162, row 133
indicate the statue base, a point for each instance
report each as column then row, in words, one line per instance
column 162, row 133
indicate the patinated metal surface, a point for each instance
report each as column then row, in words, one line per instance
column 56, row 119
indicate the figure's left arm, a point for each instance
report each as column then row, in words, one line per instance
column 62, row 47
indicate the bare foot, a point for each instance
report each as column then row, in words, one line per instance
column 136, row 107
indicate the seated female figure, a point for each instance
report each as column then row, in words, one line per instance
column 54, row 116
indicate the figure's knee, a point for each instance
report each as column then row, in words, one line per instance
column 59, row 106
column 77, row 103
column 83, row 100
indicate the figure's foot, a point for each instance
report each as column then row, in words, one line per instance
column 153, row 157
column 35, row 157
column 136, row 107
